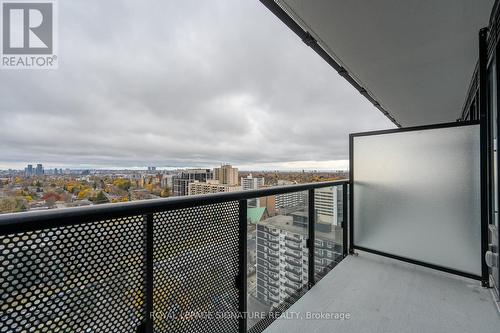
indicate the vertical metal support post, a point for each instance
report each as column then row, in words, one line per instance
column 149, row 273
column 351, row 194
column 485, row 167
column 345, row 216
column 311, row 238
column 242, row 275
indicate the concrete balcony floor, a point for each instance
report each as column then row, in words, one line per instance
column 385, row 295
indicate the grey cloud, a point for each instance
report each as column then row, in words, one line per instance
column 178, row 83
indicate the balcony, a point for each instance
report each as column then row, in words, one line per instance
column 293, row 278
column 120, row 261
column 105, row 267
column 293, row 247
column 419, row 252
column 293, row 262
column 274, row 276
column 294, row 271
column 273, row 283
column 274, row 292
column 274, row 299
column 293, row 239
column 273, row 269
column 274, row 233
column 297, row 256
column 274, row 247
column 273, row 255
column 273, row 240
column 273, row 261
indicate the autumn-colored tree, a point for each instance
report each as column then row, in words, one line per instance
column 84, row 194
column 149, row 187
column 100, row 198
column 7, row 205
column 51, row 196
column 123, row 184
column 166, row 192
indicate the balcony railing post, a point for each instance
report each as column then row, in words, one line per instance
column 345, row 225
column 311, row 238
column 242, row 276
column 350, row 219
column 149, row 272
column 485, row 158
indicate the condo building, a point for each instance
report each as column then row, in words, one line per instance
column 226, row 174
column 282, row 255
column 180, row 182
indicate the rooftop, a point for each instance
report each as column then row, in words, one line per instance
column 285, row 222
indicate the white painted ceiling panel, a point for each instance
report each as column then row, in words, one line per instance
column 416, row 57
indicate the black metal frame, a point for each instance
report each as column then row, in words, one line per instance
column 484, row 120
column 41, row 220
column 484, row 188
column 242, row 260
column 497, row 125
column 311, row 238
column 345, row 219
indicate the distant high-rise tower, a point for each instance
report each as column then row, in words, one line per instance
column 28, row 171
column 39, row 170
column 326, row 201
column 226, row 175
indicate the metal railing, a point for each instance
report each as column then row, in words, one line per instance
column 135, row 266
column 292, row 247
column 293, row 239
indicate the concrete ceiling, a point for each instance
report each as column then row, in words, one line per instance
column 416, row 57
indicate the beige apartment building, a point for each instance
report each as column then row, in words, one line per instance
column 226, row 175
column 211, row 186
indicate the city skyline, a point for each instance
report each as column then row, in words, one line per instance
column 341, row 165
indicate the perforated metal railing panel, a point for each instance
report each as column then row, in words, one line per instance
column 195, row 265
column 84, row 278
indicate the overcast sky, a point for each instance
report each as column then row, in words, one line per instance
column 179, row 83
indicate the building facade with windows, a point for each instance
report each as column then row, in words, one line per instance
column 181, row 181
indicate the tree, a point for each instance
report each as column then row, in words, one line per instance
column 100, row 198
column 8, row 205
column 51, row 202
column 83, row 194
column 166, row 192
column 123, row 184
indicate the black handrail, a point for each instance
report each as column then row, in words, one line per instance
column 36, row 220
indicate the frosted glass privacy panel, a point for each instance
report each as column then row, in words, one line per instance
column 417, row 195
